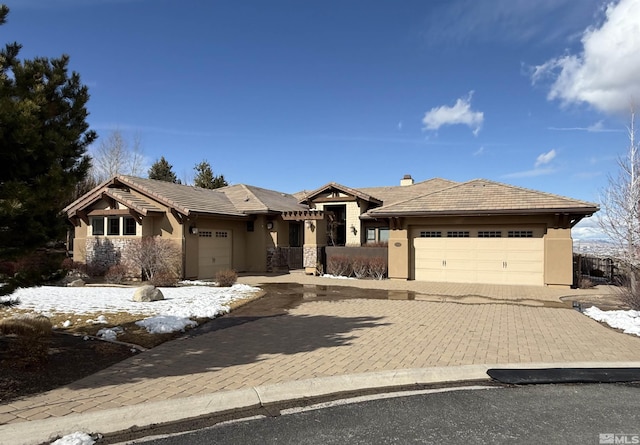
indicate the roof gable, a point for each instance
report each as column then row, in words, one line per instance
column 335, row 188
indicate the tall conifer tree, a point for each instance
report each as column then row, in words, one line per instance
column 44, row 138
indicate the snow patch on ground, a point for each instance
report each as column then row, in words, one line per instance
column 169, row 315
column 75, row 439
column 164, row 324
column 627, row 321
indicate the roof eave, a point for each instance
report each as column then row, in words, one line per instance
column 573, row 211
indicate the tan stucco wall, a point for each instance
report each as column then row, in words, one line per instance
column 399, row 262
column 558, row 257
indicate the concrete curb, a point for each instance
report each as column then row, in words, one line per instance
column 154, row 413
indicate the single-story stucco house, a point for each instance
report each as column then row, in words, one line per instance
column 436, row 230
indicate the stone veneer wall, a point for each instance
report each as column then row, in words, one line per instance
column 103, row 253
column 312, row 256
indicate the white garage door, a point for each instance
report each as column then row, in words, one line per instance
column 480, row 260
column 214, row 252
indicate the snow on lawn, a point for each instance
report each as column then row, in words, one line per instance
column 627, row 321
column 184, row 301
column 168, row 315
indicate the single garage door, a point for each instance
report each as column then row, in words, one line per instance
column 479, row 260
column 214, row 252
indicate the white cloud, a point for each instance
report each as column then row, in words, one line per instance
column 510, row 21
column 598, row 127
column 538, row 170
column 479, row 151
column 605, row 73
column 545, row 158
column 531, row 173
column 460, row 113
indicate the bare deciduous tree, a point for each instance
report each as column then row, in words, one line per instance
column 115, row 156
column 620, row 216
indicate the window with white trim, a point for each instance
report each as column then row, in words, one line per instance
column 114, row 226
column 97, row 226
column 129, row 226
column 430, row 234
column 458, row 234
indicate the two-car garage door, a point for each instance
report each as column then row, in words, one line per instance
column 479, row 260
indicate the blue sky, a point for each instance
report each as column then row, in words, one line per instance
column 290, row 95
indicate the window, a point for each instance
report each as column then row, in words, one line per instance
column 458, row 234
column 205, row 234
column 97, row 226
column 222, row 234
column 377, row 235
column 371, row 235
column 490, row 234
column 113, row 223
column 427, row 234
column 113, row 226
column 520, row 234
column 129, row 226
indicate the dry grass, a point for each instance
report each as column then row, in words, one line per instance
column 32, row 338
column 82, row 324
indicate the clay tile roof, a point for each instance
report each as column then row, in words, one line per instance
column 392, row 194
column 250, row 199
column 484, row 196
column 185, row 199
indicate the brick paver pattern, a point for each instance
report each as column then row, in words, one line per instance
column 326, row 338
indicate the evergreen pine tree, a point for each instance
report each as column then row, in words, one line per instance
column 162, row 171
column 205, row 177
column 44, row 138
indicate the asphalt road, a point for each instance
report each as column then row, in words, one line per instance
column 543, row 414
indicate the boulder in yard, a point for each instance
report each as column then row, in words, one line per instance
column 79, row 282
column 147, row 293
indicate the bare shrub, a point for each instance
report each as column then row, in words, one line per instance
column 164, row 279
column 377, row 267
column 585, row 283
column 360, row 266
column 38, row 325
column 33, row 335
column 226, row 278
column 339, row 265
column 116, row 274
column 154, row 255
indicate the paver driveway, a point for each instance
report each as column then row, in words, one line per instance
column 329, row 337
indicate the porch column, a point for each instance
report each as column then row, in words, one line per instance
column 558, row 258
column 315, row 239
column 398, row 260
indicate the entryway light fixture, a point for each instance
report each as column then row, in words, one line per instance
column 193, row 230
column 353, row 229
column 269, row 225
column 309, row 225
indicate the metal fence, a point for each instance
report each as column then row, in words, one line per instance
column 597, row 269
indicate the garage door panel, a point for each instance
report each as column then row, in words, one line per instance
column 214, row 252
column 481, row 260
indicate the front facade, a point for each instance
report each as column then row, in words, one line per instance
column 437, row 230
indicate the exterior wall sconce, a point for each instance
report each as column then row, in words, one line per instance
column 193, row 230
column 353, row 229
column 309, row 225
column 269, row 225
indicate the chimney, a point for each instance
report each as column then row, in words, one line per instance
column 406, row 180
